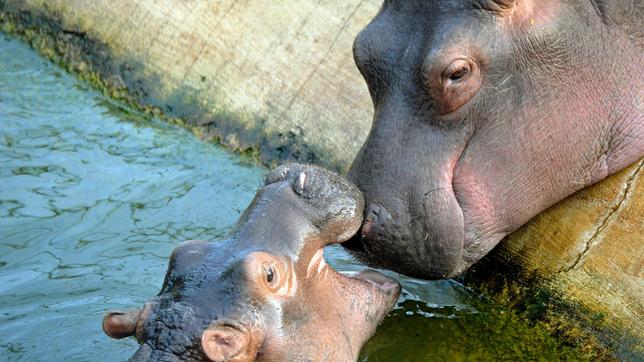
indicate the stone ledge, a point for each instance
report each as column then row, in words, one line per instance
column 281, row 89
column 578, row 266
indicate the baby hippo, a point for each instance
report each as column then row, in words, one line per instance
column 265, row 293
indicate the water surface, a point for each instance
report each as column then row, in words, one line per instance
column 94, row 197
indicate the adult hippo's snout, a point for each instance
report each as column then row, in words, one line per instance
column 413, row 222
column 439, row 253
column 410, row 225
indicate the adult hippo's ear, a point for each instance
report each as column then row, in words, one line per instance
column 227, row 343
column 500, row 6
column 121, row 324
column 505, row 3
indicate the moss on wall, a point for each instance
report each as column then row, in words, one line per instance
column 578, row 267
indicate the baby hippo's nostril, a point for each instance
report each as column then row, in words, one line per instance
column 277, row 175
column 298, row 187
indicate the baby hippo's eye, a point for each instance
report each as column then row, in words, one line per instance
column 273, row 279
column 270, row 274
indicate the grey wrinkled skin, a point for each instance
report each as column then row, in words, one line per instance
column 223, row 287
column 552, row 102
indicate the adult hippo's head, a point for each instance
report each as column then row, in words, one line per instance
column 486, row 113
column 265, row 293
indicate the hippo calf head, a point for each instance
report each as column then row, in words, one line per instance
column 265, row 293
column 486, row 113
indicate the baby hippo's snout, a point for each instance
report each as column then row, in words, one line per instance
column 265, row 292
column 314, row 183
column 333, row 204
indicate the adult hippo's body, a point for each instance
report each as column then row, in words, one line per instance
column 486, row 113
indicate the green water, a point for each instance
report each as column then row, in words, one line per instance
column 94, row 197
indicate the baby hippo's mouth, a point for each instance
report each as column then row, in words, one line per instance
column 379, row 281
column 367, row 281
column 369, row 293
column 375, row 292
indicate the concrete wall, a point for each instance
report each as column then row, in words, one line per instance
column 580, row 265
column 277, row 77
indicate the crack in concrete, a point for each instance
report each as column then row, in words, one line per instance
column 611, row 213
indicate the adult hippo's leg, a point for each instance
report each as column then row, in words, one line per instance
column 487, row 113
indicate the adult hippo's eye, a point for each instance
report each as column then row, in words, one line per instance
column 452, row 86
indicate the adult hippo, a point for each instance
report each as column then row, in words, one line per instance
column 265, row 293
column 486, row 113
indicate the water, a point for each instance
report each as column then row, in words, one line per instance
column 94, row 197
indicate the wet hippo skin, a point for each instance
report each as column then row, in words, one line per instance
column 487, row 112
column 265, row 293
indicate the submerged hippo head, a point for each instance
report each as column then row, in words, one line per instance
column 486, row 113
column 265, row 293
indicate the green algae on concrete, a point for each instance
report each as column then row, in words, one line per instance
column 493, row 334
column 578, row 267
column 92, row 61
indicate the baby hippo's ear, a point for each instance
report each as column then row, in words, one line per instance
column 279, row 174
column 118, row 324
column 225, row 343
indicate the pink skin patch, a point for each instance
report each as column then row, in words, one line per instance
column 478, row 207
column 528, row 15
column 317, row 264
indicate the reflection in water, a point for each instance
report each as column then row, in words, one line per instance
column 93, row 198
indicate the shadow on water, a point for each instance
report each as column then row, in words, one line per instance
column 93, row 198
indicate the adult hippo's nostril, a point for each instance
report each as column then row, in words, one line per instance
column 376, row 215
column 366, row 227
